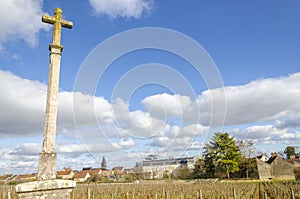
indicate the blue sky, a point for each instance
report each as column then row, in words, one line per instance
column 149, row 100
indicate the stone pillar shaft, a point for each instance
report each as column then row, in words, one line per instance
column 47, row 159
column 52, row 95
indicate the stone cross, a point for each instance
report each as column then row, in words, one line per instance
column 47, row 186
column 57, row 22
column 47, row 159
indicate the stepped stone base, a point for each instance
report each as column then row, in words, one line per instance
column 54, row 189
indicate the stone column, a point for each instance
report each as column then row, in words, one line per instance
column 47, row 186
column 47, row 160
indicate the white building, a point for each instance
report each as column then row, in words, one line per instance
column 156, row 169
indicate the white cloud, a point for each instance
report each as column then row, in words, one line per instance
column 274, row 99
column 263, row 100
column 140, row 118
column 177, row 138
column 290, row 136
column 86, row 109
column 124, row 143
column 290, row 119
column 28, row 149
column 121, row 8
column 167, row 106
column 196, row 146
column 20, row 159
column 23, row 107
column 166, row 125
column 21, row 104
column 257, row 132
column 137, row 123
column 192, row 130
column 20, row 20
column 160, row 142
column 184, row 109
column 85, row 148
column 166, row 147
column 259, row 101
column 267, row 135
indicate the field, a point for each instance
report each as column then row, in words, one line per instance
column 180, row 190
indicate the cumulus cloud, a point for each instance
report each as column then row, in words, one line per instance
column 269, row 108
column 122, row 8
column 175, row 138
column 166, row 105
column 86, row 109
column 21, row 105
column 20, row 20
column 263, row 100
column 290, row 119
column 258, row 101
column 20, row 159
column 203, row 110
column 85, row 148
column 192, row 130
column 28, row 149
column 136, row 123
column 124, row 143
column 267, row 135
column 274, row 99
column 257, row 132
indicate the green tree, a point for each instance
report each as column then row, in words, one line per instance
column 209, row 165
column 199, row 169
column 223, row 152
column 182, row 172
column 248, row 169
column 289, row 151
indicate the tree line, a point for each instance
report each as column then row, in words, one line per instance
column 224, row 157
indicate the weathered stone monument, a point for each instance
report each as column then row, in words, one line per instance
column 47, row 185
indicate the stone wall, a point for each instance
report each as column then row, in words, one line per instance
column 264, row 170
column 275, row 168
column 282, row 169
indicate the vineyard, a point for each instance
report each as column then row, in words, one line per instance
column 180, row 190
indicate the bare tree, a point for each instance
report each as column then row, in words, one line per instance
column 248, row 150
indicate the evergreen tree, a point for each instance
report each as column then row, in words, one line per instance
column 222, row 152
column 210, row 168
column 199, row 169
column 103, row 163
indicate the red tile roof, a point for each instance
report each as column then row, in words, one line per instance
column 80, row 174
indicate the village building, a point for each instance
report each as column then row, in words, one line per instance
column 65, row 174
column 263, row 157
column 81, row 176
column 118, row 168
column 157, row 169
column 27, row 177
column 106, row 173
column 117, row 173
column 87, row 173
column 8, row 178
column 275, row 168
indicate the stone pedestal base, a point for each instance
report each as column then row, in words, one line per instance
column 47, row 189
column 47, row 166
